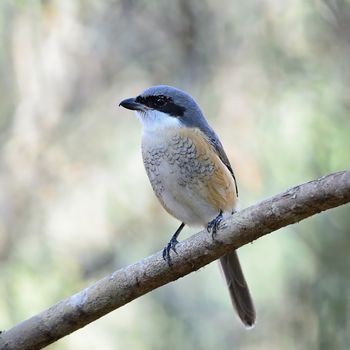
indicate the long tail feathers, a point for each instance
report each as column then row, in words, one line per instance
column 238, row 288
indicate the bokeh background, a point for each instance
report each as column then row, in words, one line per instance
column 273, row 79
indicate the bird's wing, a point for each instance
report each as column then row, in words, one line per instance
column 222, row 155
column 219, row 149
column 221, row 189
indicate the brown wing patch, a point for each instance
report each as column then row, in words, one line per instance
column 218, row 186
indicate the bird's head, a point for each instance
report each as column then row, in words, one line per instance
column 164, row 106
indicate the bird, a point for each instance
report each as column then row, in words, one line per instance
column 190, row 174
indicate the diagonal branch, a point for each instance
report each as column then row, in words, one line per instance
column 129, row 283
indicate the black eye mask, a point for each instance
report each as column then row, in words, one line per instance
column 163, row 104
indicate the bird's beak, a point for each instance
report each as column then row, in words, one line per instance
column 130, row 103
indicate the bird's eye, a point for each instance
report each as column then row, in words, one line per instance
column 140, row 99
column 160, row 101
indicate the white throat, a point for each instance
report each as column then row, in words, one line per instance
column 153, row 120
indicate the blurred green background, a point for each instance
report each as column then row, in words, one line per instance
column 273, row 79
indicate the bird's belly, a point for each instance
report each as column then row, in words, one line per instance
column 183, row 198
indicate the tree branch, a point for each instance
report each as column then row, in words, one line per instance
column 129, row 283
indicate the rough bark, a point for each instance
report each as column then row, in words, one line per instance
column 128, row 283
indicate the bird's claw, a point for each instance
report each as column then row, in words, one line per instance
column 166, row 251
column 213, row 225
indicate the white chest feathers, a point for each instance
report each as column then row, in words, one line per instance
column 155, row 121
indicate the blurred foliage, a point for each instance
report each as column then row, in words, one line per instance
column 273, row 79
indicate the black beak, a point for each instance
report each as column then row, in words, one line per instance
column 130, row 103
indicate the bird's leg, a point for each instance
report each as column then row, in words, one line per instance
column 172, row 244
column 214, row 225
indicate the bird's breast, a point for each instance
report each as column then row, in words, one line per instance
column 172, row 159
column 187, row 176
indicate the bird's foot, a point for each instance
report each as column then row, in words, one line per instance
column 170, row 246
column 213, row 225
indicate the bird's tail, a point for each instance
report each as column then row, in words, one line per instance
column 238, row 288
